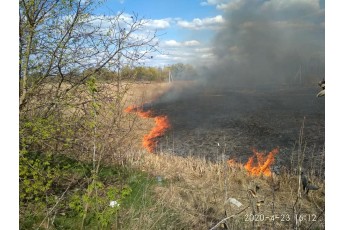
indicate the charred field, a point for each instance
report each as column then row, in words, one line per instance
column 214, row 123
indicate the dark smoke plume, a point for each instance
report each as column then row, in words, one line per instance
column 268, row 60
column 267, row 43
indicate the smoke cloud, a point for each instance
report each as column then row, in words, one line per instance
column 261, row 47
column 267, row 42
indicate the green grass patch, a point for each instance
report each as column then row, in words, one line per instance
column 87, row 203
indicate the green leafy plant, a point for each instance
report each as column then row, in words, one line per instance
column 36, row 177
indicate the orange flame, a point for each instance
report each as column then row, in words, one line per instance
column 262, row 165
column 130, row 109
column 161, row 126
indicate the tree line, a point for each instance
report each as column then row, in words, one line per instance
column 178, row 71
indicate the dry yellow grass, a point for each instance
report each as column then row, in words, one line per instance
column 198, row 190
column 140, row 93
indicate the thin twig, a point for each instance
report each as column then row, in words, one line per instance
column 312, row 197
column 57, row 202
column 294, row 212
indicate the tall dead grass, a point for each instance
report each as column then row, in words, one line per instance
column 196, row 188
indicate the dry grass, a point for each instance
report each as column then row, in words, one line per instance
column 198, row 190
column 140, row 93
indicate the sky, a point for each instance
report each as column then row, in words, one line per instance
column 204, row 31
column 185, row 29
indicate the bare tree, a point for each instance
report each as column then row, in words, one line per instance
column 60, row 40
column 63, row 48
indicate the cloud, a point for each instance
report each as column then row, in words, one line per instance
column 230, row 5
column 173, row 43
column 212, row 2
column 126, row 19
column 191, row 43
column 172, row 51
column 255, row 41
column 204, row 23
column 158, row 23
column 220, row 4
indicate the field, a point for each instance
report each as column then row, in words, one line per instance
column 196, row 177
column 188, row 121
column 210, row 122
column 211, row 126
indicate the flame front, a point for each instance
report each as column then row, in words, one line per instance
column 161, row 126
column 131, row 108
column 150, row 140
column 262, row 164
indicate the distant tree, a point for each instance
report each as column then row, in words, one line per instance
column 127, row 73
column 143, row 73
column 182, row 71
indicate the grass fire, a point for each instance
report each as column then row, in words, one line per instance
column 146, row 116
column 162, row 124
column 258, row 164
column 262, row 164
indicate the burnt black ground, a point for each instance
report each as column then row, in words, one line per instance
column 210, row 122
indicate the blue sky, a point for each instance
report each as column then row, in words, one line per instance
column 200, row 31
column 185, row 28
column 157, row 9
